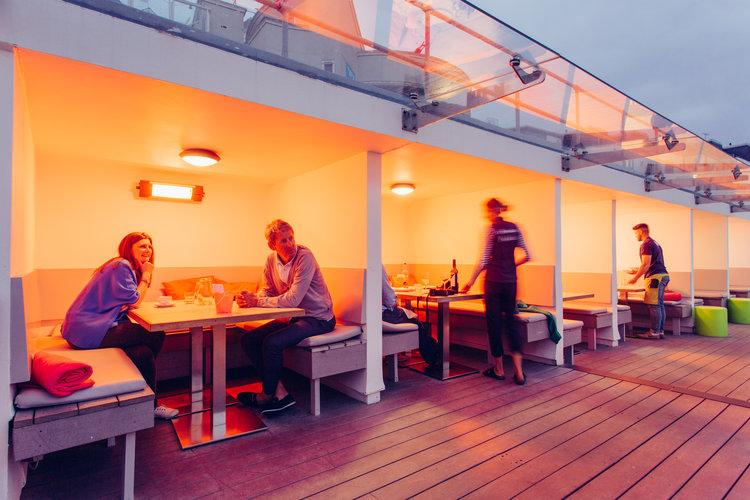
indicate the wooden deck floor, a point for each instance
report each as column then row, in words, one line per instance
column 663, row 419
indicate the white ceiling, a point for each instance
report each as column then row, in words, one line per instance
column 78, row 110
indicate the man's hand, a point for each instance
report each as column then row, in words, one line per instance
column 632, row 270
column 247, row 299
column 632, row 281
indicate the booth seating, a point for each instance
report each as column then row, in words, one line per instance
column 677, row 312
column 740, row 291
column 712, row 297
column 593, row 316
column 711, row 321
column 468, row 327
column 342, row 350
column 398, row 338
column 739, row 310
column 118, row 404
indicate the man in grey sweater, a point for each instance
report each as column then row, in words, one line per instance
column 291, row 278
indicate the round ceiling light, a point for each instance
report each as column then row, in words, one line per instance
column 402, row 188
column 200, row 157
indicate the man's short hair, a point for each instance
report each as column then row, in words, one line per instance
column 641, row 226
column 275, row 227
column 495, row 204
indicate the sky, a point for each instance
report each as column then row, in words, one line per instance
column 688, row 60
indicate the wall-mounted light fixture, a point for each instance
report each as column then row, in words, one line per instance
column 168, row 191
column 402, row 188
column 200, row 157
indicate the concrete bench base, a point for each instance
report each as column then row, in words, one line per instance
column 43, row 430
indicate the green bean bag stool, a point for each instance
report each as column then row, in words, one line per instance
column 739, row 311
column 711, row 321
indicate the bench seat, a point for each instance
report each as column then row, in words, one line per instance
column 677, row 312
column 469, row 328
column 713, row 297
column 339, row 351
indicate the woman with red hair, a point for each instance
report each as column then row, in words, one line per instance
column 98, row 317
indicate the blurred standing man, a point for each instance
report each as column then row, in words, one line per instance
column 656, row 280
column 500, row 285
column 291, row 278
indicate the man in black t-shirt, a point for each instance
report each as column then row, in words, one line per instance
column 656, row 280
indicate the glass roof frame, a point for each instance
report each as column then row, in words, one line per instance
column 449, row 58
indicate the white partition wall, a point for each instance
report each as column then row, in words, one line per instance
column 739, row 252
column 329, row 210
column 711, row 251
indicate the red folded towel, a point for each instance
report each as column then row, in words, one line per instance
column 61, row 376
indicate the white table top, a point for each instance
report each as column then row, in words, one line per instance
column 181, row 315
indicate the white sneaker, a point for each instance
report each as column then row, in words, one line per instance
column 165, row 412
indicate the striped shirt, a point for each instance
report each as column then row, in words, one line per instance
column 498, row 256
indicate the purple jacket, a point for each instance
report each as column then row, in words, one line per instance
column 97, row 307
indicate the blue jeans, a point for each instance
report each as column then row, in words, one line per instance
column 265, row 345
column 656, row 311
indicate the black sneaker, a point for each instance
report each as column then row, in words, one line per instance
column 278, row 405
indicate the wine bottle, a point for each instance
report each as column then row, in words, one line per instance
column 405, row 273
column 454, row 277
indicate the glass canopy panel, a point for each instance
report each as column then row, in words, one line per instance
column 446, row 57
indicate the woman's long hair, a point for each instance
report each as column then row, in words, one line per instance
column 125, row 251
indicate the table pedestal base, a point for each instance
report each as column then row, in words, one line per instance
column 197, row 429
column 455, row 370
column 182, row 403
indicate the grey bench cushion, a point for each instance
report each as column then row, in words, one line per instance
column 113, row 373
column 340, row 332
column 398, row 327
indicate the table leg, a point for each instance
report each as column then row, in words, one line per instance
column 219, row 382
column 444, row 339
column 196, row 364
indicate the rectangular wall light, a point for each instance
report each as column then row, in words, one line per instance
column 168, row 191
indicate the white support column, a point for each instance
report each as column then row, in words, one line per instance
column 373, row 286
column 692, row 260
column 613, row 282
column 557, row 291
column 726, row 257
column 9, row 479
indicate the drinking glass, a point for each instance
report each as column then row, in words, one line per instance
column 426, row 279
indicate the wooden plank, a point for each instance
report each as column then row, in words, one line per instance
column 51, row 413
column 671, row 474
column 585, row 461
column 97, row 405
column 623, row 474
column 360, row 453
column 462, row 473
column 131, row 398
column 23, row 418
column 717, row 477
column 60, row 434
column 415, row 454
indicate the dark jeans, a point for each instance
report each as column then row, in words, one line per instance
column 656, row 311
column 265, row 345
column 427, row 344
column 140, row 345
column 500, row 310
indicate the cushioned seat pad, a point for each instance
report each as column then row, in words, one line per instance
column 341, row 332
column 113, row 373
column 398, row 327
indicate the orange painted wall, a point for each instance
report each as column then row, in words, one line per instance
column 83, row 209
column 328, row 210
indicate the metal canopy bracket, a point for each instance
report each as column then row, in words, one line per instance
column 603, row 152
column 425, row 113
